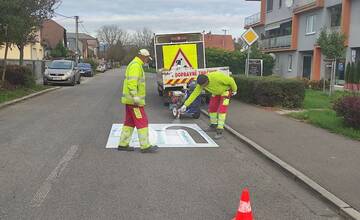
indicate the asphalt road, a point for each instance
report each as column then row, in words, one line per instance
column 54, row 165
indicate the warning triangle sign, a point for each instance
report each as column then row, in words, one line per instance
column 180, row 60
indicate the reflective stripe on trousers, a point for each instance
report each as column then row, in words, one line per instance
column 218, row 108
column 125, row 136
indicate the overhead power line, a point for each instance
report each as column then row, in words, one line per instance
column 64, row 16
column 84, row 29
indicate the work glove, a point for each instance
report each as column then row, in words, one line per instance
column 136, row 100
column 183, row 109
column 233, row 93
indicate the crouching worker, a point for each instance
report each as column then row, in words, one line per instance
column 134, row 91
column 221, row 87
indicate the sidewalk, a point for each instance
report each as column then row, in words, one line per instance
column 330, row 160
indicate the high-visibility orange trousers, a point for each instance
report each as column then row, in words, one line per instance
column 218, row 108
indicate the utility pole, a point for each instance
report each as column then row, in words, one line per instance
column 77, row 38
column 225, row 30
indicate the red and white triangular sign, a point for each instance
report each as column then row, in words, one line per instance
column 180, row 60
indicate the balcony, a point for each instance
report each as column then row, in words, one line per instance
column 306, row 5
column 276, row 43
column 252, row 19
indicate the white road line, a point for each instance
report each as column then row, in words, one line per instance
column 45, row 188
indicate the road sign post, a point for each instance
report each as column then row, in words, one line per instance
column 250, row 37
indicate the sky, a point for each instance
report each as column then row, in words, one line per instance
column 161, row 16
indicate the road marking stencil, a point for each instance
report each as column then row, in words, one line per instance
column 164, row 135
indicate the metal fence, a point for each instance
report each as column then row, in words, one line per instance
column 275, row 42
column 252, row 19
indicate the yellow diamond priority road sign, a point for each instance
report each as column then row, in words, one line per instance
column 250, row 36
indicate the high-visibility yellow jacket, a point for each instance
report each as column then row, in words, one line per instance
column 219, row 84
column 134, row 83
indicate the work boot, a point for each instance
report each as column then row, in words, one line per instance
column 151, row 149
column 219, row 134
column 211, row 128
column 125, row 148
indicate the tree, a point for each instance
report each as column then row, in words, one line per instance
column 239, row 43
column 116, row 52
column 115, row 40
column 357, row 78
column 353, row 73
column 8, row 26
column 332, row 44
column 347, row 73
column 59, row 51
column 112, row 35
column 31, row 14
column 4, row 40
column 143, row 39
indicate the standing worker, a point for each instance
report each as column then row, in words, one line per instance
column 134, row 92
column 221, row 87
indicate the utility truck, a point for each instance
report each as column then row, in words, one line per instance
column 179, row 59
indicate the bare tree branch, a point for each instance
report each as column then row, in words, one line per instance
column 143, row 38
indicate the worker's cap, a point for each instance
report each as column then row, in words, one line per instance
column 202, row 79
column 145, row 53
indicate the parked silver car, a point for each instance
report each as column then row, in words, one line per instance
column 62, row 72
column 101, row 68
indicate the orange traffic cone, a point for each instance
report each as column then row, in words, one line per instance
column 244, row 211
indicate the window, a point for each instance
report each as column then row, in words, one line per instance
column 355, row 54
column 269, row 5
column 310, row 24
column 280, row 3
column 335, row 16
column 290, row 61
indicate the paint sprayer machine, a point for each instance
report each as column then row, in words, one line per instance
column 179, row 97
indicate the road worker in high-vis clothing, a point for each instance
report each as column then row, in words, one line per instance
column 221, row 87
column 134, row 92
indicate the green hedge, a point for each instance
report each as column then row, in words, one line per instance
column 271, row 91
column 92, row 62
column 236, row 60
column 19, row 75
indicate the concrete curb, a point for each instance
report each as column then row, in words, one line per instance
column 343, row 208
column 12, row 102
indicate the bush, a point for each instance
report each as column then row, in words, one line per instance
column 92, row 62
column 316, row 84
column 19, row 75
column 348, row 107
column 59, row 51
column 271, row 91
column 235, row 60
column 357, row 73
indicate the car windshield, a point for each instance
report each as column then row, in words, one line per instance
column 84, row 65
column 60, row 65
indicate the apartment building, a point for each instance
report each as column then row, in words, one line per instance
column 289, row 29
